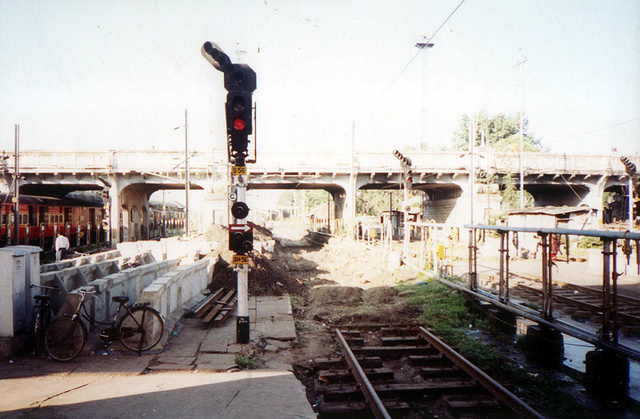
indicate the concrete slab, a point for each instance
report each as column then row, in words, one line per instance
column 180, row 380
column 272, row 318
column 278, row 326
column 184, row 349
column 251, row 394
column 218, row 339
column 174, row 363
column 215, row 362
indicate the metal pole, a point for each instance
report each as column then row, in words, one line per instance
column 614, row 293
column 545, row 272
column 502, row 250
column 472, row 271
column 186, row 170
column 16, row 187
column 630, row 188
column 519, row 64
column 606, row 290
column 424, row 119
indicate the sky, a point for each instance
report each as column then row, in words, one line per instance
column 331, row 74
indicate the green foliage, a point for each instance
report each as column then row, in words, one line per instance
column 589, row 243
column 305, row 199
column 511, row 193
column 499, row 132
column 245, row 362
column 444, row 312
column 373, row 202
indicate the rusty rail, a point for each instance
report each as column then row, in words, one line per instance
column 496, row 389
column 378, row 409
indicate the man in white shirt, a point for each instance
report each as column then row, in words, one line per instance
column 62, row 245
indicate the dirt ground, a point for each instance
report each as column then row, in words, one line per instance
column 336, row 283
column 341, row 282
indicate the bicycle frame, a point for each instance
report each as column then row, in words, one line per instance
column 106, row 333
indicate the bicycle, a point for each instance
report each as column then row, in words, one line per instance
column 139, row 329
column 42, row 315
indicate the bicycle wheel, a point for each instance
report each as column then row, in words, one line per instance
column 141, row 329
column 65, row 338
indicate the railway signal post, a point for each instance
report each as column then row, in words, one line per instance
column 240, row 83
column 408, row 184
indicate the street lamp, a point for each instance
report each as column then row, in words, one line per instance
column 186, row 175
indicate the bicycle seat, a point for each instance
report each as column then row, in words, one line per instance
column 41, row 297
column 120, row 299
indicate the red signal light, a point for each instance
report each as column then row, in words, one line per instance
column 238, row 124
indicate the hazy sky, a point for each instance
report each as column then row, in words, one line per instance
column 83, row 75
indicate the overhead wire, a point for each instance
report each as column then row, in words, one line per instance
column 421, row 49
column 592, row 131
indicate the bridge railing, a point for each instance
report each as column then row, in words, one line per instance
column 117, row 161
column 173, row 161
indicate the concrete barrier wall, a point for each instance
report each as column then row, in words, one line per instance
column 129, row 283
column 176, row 290
column 73, row 277
column 170, row 248
column 79, row 261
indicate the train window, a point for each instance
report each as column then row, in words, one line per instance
column 4, row 218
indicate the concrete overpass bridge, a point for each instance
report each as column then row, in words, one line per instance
column 132, row 176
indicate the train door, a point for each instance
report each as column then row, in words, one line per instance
column 42, row 223
column 33, row 232
column 92, row 221
column 144, row 224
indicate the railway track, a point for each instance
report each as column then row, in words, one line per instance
column 576, row 300
column 406, row 372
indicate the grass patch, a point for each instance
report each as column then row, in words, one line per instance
column 244, row 362
column 444, row 312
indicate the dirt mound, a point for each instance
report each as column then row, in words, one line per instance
column 325, row 296
column 265, row 278
column 380, row 295
column 339, row 305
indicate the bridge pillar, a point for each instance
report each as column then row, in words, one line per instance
column 134, row 205
column 339, row 200
column 595, row 197
column 114, row 213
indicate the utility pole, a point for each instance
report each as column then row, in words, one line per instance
column 424, row 113
column 473, row 284
column 16, row 188
column 521, row 164
column 186, row 170
column 186, row 175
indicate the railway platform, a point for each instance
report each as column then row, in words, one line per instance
column 193, row 375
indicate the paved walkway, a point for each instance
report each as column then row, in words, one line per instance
column 193, row 376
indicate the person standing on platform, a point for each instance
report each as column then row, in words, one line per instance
column 62, row 245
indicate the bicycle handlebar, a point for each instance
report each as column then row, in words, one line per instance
column 86, row 292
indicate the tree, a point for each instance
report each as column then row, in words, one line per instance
column 306, row 200
column 511, row 193
column 373, row 202
column 500, row 132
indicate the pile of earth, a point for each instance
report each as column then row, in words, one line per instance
column 335, row 305
column 266, row 276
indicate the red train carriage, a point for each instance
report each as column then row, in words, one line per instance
column 165, row 221
column 40, row 218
